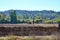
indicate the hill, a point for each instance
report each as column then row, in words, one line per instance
column 44, row 16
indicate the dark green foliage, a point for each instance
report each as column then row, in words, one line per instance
column 16, row 16
column 13, row 16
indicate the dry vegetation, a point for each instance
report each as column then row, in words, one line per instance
column 48, row 30
column 31, row 38
column 27, row 25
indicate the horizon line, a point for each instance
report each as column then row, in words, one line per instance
column 30, row 10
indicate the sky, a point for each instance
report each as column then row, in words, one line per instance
column 30, row 5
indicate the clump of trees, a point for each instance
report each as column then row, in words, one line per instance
column 14, row 18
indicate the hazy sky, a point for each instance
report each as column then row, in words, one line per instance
column 30, row 5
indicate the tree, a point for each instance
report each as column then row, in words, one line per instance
column 2, row 17
column 48, row 21
column 38, row 19
column 7, row 19
column 13, row 16
column 25, row 16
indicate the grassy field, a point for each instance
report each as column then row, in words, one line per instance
column 51, row 37
column 30, row 38
column 27, row 25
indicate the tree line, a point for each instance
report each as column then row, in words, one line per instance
column 13, row 18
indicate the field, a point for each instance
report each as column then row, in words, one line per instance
column 27, row 25
column 52, row 37
column 49, row 31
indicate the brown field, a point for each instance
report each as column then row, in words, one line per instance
column 52, row 37
column 27, row 25
column 38, row 28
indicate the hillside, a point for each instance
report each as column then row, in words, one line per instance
column 44, row 16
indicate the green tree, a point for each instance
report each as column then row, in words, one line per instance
column 38, row 19
column 7, row 19
column 13, row 16
column 2, row 17
column 25, row 16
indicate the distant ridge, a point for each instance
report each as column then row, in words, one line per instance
column 44, row 14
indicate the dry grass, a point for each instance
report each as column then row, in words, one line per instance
column 27, row 25
column 31, row 38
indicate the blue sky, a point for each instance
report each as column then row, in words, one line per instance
column 30, row 5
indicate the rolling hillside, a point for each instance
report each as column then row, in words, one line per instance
column 44, row 15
